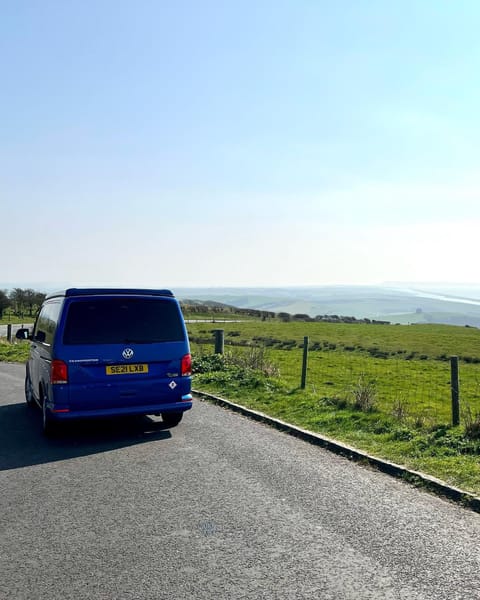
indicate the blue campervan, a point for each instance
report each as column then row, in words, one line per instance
column 107, row 352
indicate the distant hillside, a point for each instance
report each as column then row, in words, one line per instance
column 393, row 304
column 206, row 303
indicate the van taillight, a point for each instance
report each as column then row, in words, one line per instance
column 58, row 372
column 186, row 368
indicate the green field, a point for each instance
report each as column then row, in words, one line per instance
column 431, row 341
column 16, row 320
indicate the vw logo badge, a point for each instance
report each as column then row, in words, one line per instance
column 127, row 353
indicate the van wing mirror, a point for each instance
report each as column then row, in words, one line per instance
column 23, row 334
column 40, row 336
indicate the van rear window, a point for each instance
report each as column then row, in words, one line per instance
column 123, row 320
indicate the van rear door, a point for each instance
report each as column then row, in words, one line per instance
column 124, row 351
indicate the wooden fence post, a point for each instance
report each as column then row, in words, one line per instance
column 304, row 362
column 455, row 386
column 219, row 341
column 9, row 333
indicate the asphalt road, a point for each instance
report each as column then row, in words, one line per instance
column 218, row 507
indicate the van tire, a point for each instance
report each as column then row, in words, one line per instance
column 49, row 425
column 29, row 399
column 172, row 419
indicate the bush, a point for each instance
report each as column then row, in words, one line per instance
column 208, row 363
column 256, row 359
column 399, row 409
column 253, row 359
column 402, row 434
column 233, row 377
column 335, row 401
column 472, row 424
column 364, row 394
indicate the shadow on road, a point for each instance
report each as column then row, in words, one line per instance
column 22, row 442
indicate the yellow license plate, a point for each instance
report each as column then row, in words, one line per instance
column 126, row 369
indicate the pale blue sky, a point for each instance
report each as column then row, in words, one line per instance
column 250, row 143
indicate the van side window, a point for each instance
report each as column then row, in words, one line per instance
column 47, row 323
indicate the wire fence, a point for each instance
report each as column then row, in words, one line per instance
column 419, row 389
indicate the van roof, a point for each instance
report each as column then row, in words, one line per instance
column 109, row 292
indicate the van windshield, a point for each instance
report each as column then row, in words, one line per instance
column 123, row 320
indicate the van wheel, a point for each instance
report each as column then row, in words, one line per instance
column 172, row 419
column 49, row 425
column 29, row 392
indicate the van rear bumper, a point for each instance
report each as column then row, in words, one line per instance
column 66, row 414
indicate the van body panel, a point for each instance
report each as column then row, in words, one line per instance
column 126, row 411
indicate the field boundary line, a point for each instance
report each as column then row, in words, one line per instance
column 416, row 478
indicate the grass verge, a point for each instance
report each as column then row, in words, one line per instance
column 17, row 352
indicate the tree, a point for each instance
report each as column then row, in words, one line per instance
column 17, row 297
column 4, row 302
column 38, row 299
column 26, row 301
column 33, row 300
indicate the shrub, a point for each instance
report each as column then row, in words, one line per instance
column 339, row 403
column 399, row 409
column 402, row 435
column 473, row 360
column 235, row 377
column 472, row 424
column 256, row 359
column 364, row 394
column 381, row 427
column 208, row 363
column 377, row 353
column 266, row 341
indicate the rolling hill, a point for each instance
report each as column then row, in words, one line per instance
column 397, row 304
